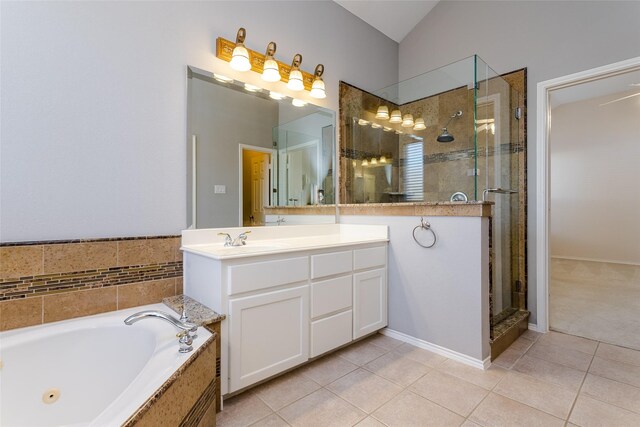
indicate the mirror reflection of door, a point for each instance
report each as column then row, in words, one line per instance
column 256, row 185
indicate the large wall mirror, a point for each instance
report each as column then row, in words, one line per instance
column 251, row 149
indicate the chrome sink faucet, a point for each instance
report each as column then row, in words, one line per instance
column 188, row 330
column 238, row 241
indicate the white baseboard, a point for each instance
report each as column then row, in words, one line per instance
column 454, row 355
column 533, row 327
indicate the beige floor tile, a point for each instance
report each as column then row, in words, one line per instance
column 370, row 422
column 551, row 398
column 565, row 356
column 365, row 390
column 408, row 409
column 361, row 353
column 242, row 410
column 613, row 392
column 453, row 393
column 569, row 341
column 508, row 358
column 272, row 420
column 590, row 412
column 499, row 411
column 384, row 342
column 397, row 368
column 521, row 344
column 421, row 355
column 531, row 335
column 484, row 378
column 619, row 371
column 468, row 423
column 550, row 372
column 620, row 354
column 328, row 369
column 322, row 409
column 286, row 389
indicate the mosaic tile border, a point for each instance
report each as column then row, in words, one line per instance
column 32, row 286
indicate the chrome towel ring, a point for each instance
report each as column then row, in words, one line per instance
column 424, row 226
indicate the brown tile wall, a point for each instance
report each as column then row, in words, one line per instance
column 44, row 282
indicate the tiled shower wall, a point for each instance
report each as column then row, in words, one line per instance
column 43, row 282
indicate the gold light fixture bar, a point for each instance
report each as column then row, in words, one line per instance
column 224, row 50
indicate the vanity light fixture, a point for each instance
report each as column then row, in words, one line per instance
column 407, row 121
column 275, row 95
column 222, row 79
column 298, row 103
column 365, row 162
column 419, row 124
column 295, row 76
column 240, row 56
column 383, row 159
column 251, row 88
column 382, row 113
column 270, row 69
column 354, row 163
column 374, row 161
column 317, row 89
column 363, row 122
column 396, row 117
column 399, row 132
column 376, row 125
column 387, row 129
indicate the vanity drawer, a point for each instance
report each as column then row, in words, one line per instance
column 369, row 257
column 329, row 264
column 330, row 333
column 267, row 274
column 331, row 295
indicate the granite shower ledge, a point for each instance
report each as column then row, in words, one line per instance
column 197, row 313
column 468, row 209
column 301, row 210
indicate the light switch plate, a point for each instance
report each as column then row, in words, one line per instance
column 220, row 189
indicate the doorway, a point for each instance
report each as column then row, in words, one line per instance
column 589, row 244
column 255, row 184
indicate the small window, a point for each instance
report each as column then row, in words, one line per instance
column 413, row 171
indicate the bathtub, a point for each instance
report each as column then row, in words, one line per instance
column 90, row 371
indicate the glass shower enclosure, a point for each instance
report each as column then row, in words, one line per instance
column 452, row 134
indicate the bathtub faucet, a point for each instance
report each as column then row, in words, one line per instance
column 188, row 330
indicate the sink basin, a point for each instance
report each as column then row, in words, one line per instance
column 250, row 247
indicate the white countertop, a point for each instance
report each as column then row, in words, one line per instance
column 276, row 240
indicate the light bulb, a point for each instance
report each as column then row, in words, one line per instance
column 419, row 125
column 240, row 58
column 407, row 121
column 365, row 162
column 298, row 103
column 317, row 89
column 270, row 71
column 295, row 80
column 383, row 159
column 382, row 113
column 396, row 117
column 374, row 161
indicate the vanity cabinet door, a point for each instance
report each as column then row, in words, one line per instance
column 369, row 302
column 268, row 333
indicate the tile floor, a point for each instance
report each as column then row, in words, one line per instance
column 541, row 380
column 596, row 300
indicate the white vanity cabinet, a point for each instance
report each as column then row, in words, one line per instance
column 286, row 308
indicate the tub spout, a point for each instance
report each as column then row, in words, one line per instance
column 188, row 330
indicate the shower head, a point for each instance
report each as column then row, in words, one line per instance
column 445, row 136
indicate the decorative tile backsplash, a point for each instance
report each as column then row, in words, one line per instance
column 43, row 282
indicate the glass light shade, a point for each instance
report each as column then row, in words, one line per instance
column 295, row 80
column 275, row 95
column 374, row 161
column 396, row 117
column 354, row 163
column 221, row 78
column 298, row 103
column 270, row 71
column 376, row 125
column 317, row 89
column 383, row 159
column 419, row 125
column 363, row 122
column 383, row 112
column 240, row 58
column 365, row 162
column 251, row 88
column 407, row 121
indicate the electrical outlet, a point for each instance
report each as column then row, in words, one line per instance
column 220, row 189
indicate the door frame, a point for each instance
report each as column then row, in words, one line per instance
column 543, row 127
column 241, row 148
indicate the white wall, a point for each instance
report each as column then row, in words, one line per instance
column 439, row 295
column 94, row 102
column 551, row 39
column 594, row 180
